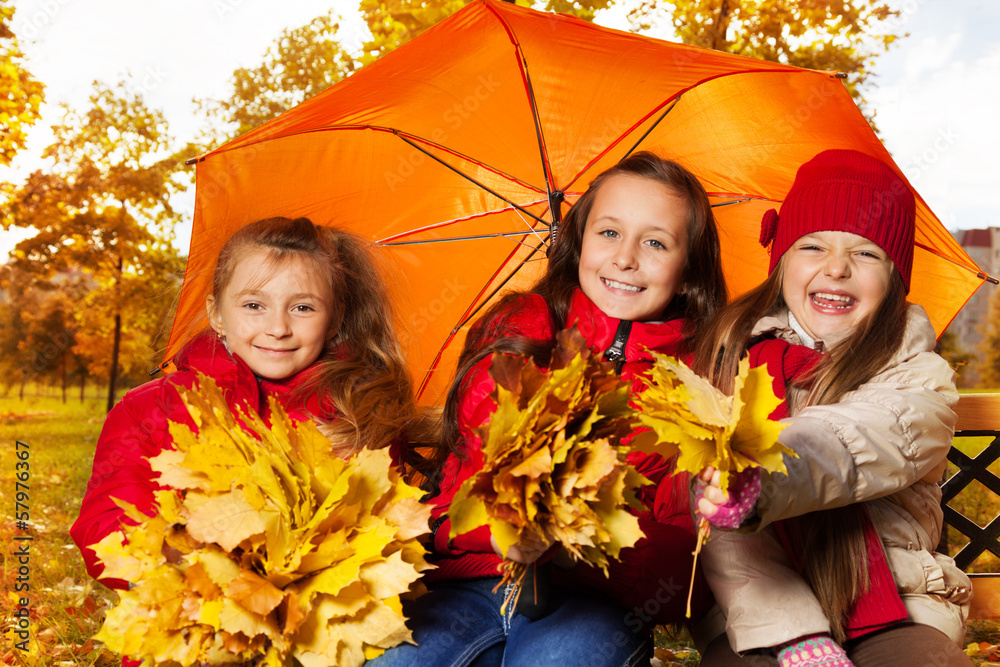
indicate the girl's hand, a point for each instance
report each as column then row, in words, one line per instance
column 520, row 553
column 732, row 510
column 708, row 493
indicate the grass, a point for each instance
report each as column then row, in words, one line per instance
column 66, row 608
column 66, row 605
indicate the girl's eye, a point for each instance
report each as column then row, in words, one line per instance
column 870, row 253
column 656, row 244
column 303, row 308
column 609, row 233
column 252, row 305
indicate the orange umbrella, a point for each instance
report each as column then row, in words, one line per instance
column 453, row 152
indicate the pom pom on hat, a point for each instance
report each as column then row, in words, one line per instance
column 846, row 191
column 768, row 227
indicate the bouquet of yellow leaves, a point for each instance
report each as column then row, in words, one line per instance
column 554, row 467
column 266, row 550
column 689, row 418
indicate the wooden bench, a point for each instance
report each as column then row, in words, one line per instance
column 978, row 417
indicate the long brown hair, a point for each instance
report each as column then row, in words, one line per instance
column 702, row 279
column 831, row 542
column 362, row 372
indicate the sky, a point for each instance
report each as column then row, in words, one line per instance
column 936, row 92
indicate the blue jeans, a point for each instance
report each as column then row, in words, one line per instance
column 458, row 624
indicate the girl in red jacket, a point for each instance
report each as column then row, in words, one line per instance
column 635, row 266
column 298, row 312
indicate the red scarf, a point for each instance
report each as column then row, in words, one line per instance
column 880, row 606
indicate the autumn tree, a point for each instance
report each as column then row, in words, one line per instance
column 104, row 206
column 989, row 348
column 49, row 337
column 844, row 36
column 959, row 359
column 143, row 296
column 392, row 23
column 301, row 63
column 37, row 328
column 307, row 60
column 17, row 298
column 21, row 95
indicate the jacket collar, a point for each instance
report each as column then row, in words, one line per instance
column 207, row 354
column 599, row 330
column 778, row 325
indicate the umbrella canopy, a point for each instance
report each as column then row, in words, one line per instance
column 453, row 152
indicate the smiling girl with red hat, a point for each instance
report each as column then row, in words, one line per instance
column 834, row 564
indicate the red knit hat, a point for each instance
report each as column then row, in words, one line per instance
column 846, row 191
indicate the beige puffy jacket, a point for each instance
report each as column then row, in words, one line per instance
column 883, row 444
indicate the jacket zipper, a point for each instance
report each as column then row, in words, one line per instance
column 616, row 351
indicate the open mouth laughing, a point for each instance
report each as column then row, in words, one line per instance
column 831, row 301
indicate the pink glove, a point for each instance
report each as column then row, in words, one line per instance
column 814, row 651
column 740, row 503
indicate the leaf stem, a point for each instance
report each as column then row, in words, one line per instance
column 513, row 573
column 704, row 530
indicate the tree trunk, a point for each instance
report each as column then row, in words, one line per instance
column 83, row 386
column 65, row 381
column 720, row 27
column 114, row 361
column 116, row 348
column 21, row 394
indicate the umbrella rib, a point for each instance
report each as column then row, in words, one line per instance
column 464, row 238
column 677, row 95
column 539, row 135
column 652, row 127
column 446, row 223
column 980, row 274
column 741, row 200
column 469, row 178
column 468, row 317
column 496, row 290
column 532, row 230
column 373, row 128
column 402, row 133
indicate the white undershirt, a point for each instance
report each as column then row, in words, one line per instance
column 806, row 339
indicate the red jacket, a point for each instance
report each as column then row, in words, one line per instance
column 137, row 429
column 652, row 577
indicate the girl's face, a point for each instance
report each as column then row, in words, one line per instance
column 276, row 317
column 634, row 247
column 833, row 279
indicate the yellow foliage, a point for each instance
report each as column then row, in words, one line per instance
column 690, row 418
column 554, row 467
column 266, row 550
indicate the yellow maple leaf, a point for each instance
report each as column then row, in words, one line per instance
column 225, row 519
column 254, row 592
column 554, row 466
column 264, row 542
column 690, row 418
